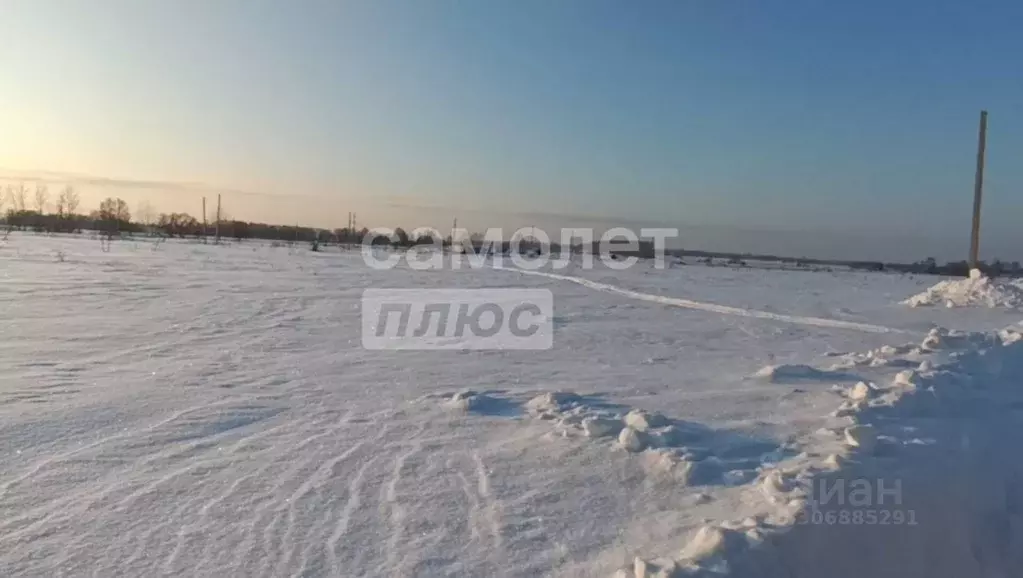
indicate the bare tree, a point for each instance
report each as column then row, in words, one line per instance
column 16, row 194
column 71, row 200
column 61, row 205
column 42, row 195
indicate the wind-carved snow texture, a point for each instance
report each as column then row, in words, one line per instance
column 687, row 453
column 174, row 408
column 943, row 438
column 977, row 290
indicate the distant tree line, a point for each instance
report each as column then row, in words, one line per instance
column 65, row 218
column 996, row 268
column 27, row 210
column 928, row 266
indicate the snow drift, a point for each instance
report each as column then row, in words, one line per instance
column 976, row 290
column 936, row 450
column 686, row 453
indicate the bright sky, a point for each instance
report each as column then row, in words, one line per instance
column 812, row 128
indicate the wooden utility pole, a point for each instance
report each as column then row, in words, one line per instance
column 217, row 242
column 978, row 186
column 204, row 220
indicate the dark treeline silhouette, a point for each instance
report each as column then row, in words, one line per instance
column 928, row 266
column 114, row 218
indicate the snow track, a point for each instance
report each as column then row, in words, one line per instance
column 710, row 307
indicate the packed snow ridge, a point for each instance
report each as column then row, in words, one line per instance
column 941, row 436
column 685, row 453
column 976, row 290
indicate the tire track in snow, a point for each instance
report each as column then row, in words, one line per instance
column 493, row 512
column 484, row 512
column 711, row 307
column 473, row 501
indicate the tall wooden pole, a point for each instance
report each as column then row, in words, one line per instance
column 204, row 220
column 978, row 186
column 217, row 242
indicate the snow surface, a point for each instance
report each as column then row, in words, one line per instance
column 184, row 409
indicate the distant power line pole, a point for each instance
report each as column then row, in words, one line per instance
column 217, row 241
column 978, row 186
column 204, row 220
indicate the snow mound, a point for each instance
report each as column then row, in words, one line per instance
column 470, row 401
column 680, row 451
column 467, row 400
column 787, row 373
column 550, row 404
column 977, row 290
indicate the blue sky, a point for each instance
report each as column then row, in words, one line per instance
column 805, row 127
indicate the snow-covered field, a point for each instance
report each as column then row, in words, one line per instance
column 198, row 410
